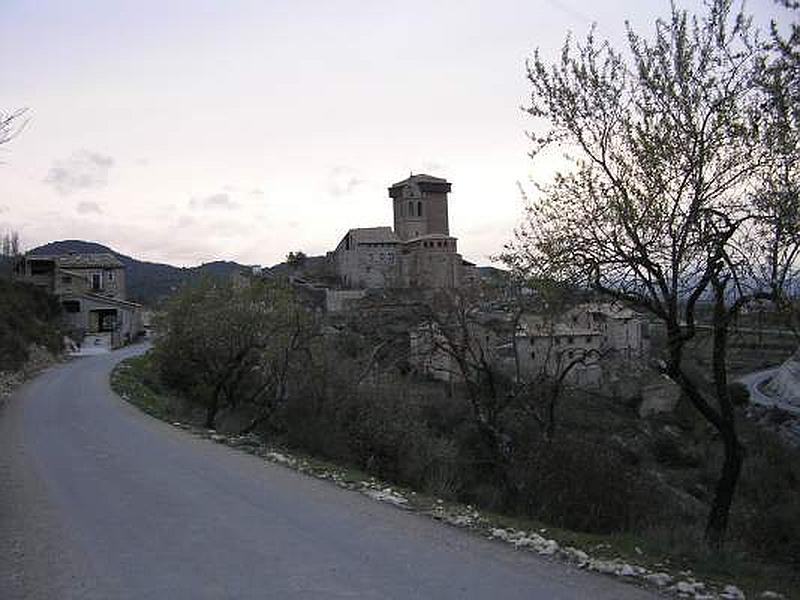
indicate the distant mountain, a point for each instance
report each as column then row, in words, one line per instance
column 148, row 282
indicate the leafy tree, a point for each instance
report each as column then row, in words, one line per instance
column 227, row 345
column 296, row 259
column 664, row 204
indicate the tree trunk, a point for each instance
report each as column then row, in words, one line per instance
column 717, row 523
column 211, row 413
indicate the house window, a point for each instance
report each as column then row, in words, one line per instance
column 419, row 209
column 410, row 209
column 97, row 282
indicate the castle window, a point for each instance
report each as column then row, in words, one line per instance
column 419, row 209
column 439, row 244
column 410, row 209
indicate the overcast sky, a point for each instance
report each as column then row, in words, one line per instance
column 185, row 131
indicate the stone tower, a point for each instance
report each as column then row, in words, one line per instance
column 420, row 206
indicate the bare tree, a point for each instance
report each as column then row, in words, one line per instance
column 11, row 123
column 664, row 205
column 9, row 246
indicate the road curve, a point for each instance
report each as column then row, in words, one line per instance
column 755, row 380
column 99, row 501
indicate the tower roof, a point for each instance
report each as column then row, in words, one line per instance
column 422, row 183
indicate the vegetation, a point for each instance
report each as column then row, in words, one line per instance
column 343, row 390
column 681, row 189
column 226, row 345
column 29, row 316
column 681, row 201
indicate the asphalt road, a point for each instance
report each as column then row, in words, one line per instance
column 754, row 381
column 99, row 501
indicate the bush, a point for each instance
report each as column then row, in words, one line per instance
column 29, row 316
column 580, row 485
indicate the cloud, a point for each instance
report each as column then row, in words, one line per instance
column 343, row 181
column 220, row 201
column 85, row 208
column 256, row 192
column 3, row 209
column 81, row 171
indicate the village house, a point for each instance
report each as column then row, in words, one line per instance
column 92, row 291
column 418, row 253
column 584, row 345
column 582, row 339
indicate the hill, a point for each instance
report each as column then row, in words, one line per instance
column 148, row 282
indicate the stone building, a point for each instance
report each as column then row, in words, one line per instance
column 594, row 336
column 92, row 291
column 419, row 252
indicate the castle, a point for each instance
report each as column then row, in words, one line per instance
column 419, row 252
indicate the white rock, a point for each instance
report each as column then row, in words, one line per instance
column 770, row 595
column 731, row 592
column 501, row 534
column 685, row 587
column 626, row 571
column 278, row 457
column 578, row 556
column 387, row 495
column 659, row 579
column 603, row 566
column 549, row 548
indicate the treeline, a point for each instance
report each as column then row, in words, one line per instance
column 28, row 316
column 252, row 358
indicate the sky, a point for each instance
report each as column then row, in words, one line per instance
column 186, row 131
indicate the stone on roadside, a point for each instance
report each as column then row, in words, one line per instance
column 731, row 592
column 659, row 579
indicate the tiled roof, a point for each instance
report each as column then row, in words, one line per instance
column 422, row 177
column 86, row 261
column 373, row 235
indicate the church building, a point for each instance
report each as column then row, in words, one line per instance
column 418, row 252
